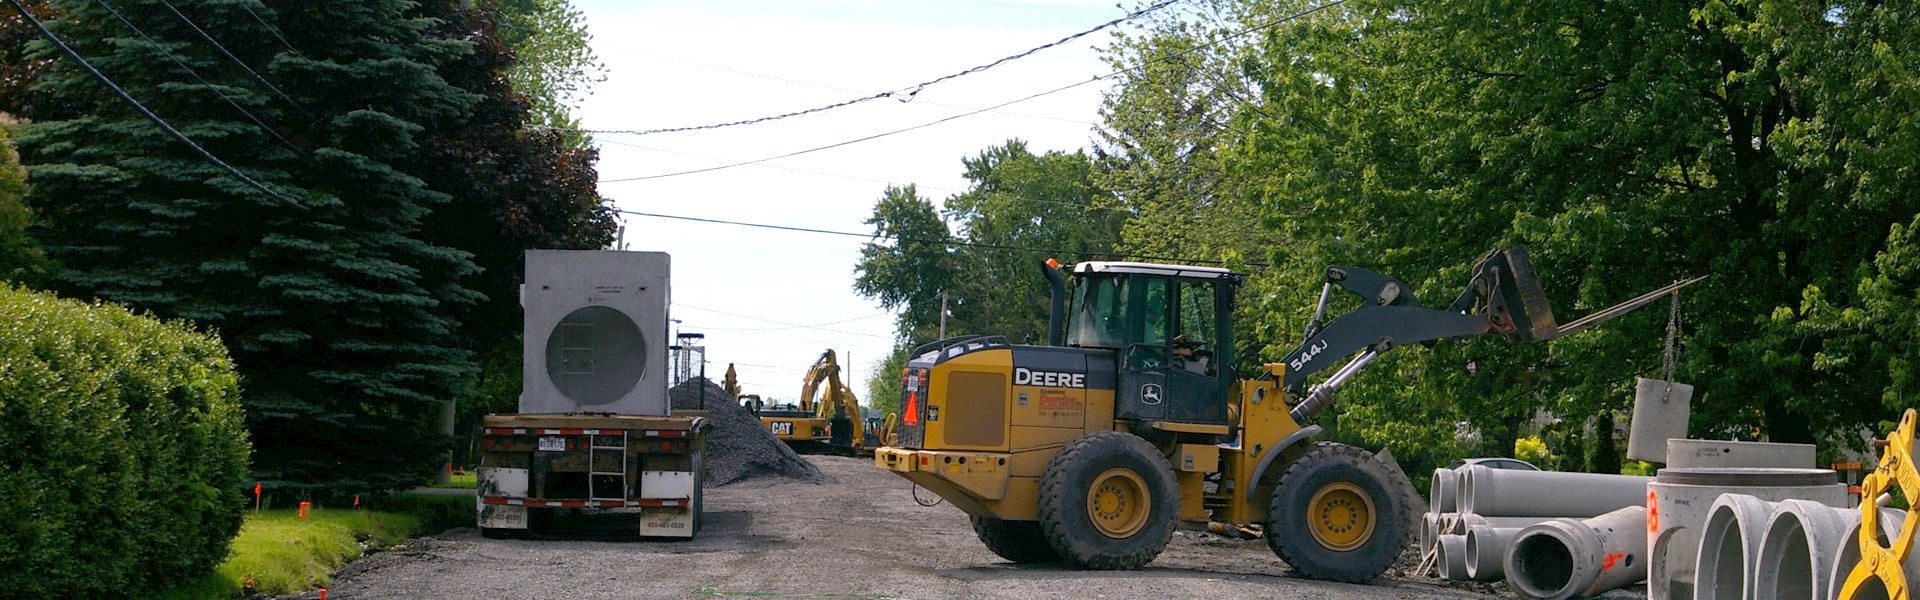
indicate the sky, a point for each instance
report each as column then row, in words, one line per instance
column 771, row 301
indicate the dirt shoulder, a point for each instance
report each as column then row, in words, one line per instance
column 861, row 535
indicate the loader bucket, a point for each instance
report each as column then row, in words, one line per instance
column 1517, row 306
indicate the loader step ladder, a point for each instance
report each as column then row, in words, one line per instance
column 594, row 448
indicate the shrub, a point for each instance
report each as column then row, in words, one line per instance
column 122, row 449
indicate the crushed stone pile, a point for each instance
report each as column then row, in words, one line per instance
column 739, row 448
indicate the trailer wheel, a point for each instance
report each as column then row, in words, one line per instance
column 1017, row 541
column 1333, row 516
column 1108, row 501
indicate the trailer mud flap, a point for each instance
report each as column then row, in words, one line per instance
column 676, row 522
column 500, row 481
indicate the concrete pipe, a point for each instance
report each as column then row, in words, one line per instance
column 1730, row 547
column 1678, row 510
column 1487, row 551
column 1429, row 529
column 1452, row 558
column 1564, row 558
column 1797, row 551
column 1515, row 493
column 1849, row 555
column 1468, row 520
column 1443, row 490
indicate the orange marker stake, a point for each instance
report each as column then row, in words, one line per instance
column 303, row 509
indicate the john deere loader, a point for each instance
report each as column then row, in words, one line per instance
column 1132, row 421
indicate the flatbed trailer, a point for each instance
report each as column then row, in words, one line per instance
column 532, row 464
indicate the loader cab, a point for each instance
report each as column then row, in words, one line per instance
column 1170, row 330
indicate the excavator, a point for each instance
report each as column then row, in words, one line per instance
column 1132, row 421
column 831, row 423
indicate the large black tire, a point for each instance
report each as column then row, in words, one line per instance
column 1017, row 541
column 1347, row 482
column 1068, row 520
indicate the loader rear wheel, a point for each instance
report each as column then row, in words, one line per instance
column 1108, row 501
column 1017, row 541
column 1334, row 517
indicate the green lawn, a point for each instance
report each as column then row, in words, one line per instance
column 459, row 481
column 283, row 554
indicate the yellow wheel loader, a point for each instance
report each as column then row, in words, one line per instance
column 826, row 418
column 1132, row 421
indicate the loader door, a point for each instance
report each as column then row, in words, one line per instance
column 1143, row 393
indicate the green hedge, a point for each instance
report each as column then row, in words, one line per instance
column 122, row 450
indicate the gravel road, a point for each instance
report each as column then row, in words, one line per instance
column 859, row 536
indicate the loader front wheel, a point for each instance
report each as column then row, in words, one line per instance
column 1108, row 501
column 1334, row 517
column 1017, row 541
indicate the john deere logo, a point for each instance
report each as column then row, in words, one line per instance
column 1024, row 376
column 1150, row 393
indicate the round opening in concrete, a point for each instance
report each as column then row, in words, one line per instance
column 1465, row 501
column 1786, row 568
column 1473, row 551
column 1542, row 565
column 1440, row 494
column 1722, row 568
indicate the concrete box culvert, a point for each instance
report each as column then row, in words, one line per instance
column 1452, row 558
column 1443, row 490
column 1849, row 555
column 1514, row 493
column 1564, row 558
column 1487, row 551
column 1679, row 510
column 1727, row 453
column 1797, row 551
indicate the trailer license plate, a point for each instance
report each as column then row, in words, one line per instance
column 553, row 443
column 782, row 428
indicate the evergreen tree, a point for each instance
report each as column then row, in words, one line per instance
column 339, row 314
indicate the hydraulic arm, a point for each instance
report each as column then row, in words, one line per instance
column 1502, row 296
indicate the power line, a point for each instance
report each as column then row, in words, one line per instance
column 196, row 76
column 904, row 239
column 796, row 325
column 826, row 87
column 274, row 31
column 71, row 53
column 236, row 60
column 857, row 140
column 1242, row 33
column 791, row 326
column 908, row 93
column 808, row 171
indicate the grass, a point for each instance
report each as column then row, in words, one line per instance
column 462, row 481
column 278, row 553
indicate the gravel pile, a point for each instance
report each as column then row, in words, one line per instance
column 739, row 448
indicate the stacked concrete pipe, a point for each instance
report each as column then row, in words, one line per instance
column 1797, row 552
column 1849, row 555
column 1681, row 497
column 1443, row 490
column 1452, row 557
column 1486, row 548
column 1515, row 493
column 1563, row 558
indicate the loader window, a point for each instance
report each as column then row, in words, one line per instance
column 1095, row 322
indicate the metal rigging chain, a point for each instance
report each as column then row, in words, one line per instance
column 1876, row 561
column 1673, row 338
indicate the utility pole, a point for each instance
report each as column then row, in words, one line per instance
column 943, row 314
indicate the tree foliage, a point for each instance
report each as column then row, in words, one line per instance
column 339, row 313
column 1760, row 143
column 556, row 63
column 1018, row 208
column 21, row 259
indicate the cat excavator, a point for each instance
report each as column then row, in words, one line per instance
column 825, row 419
column 1132, row 420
